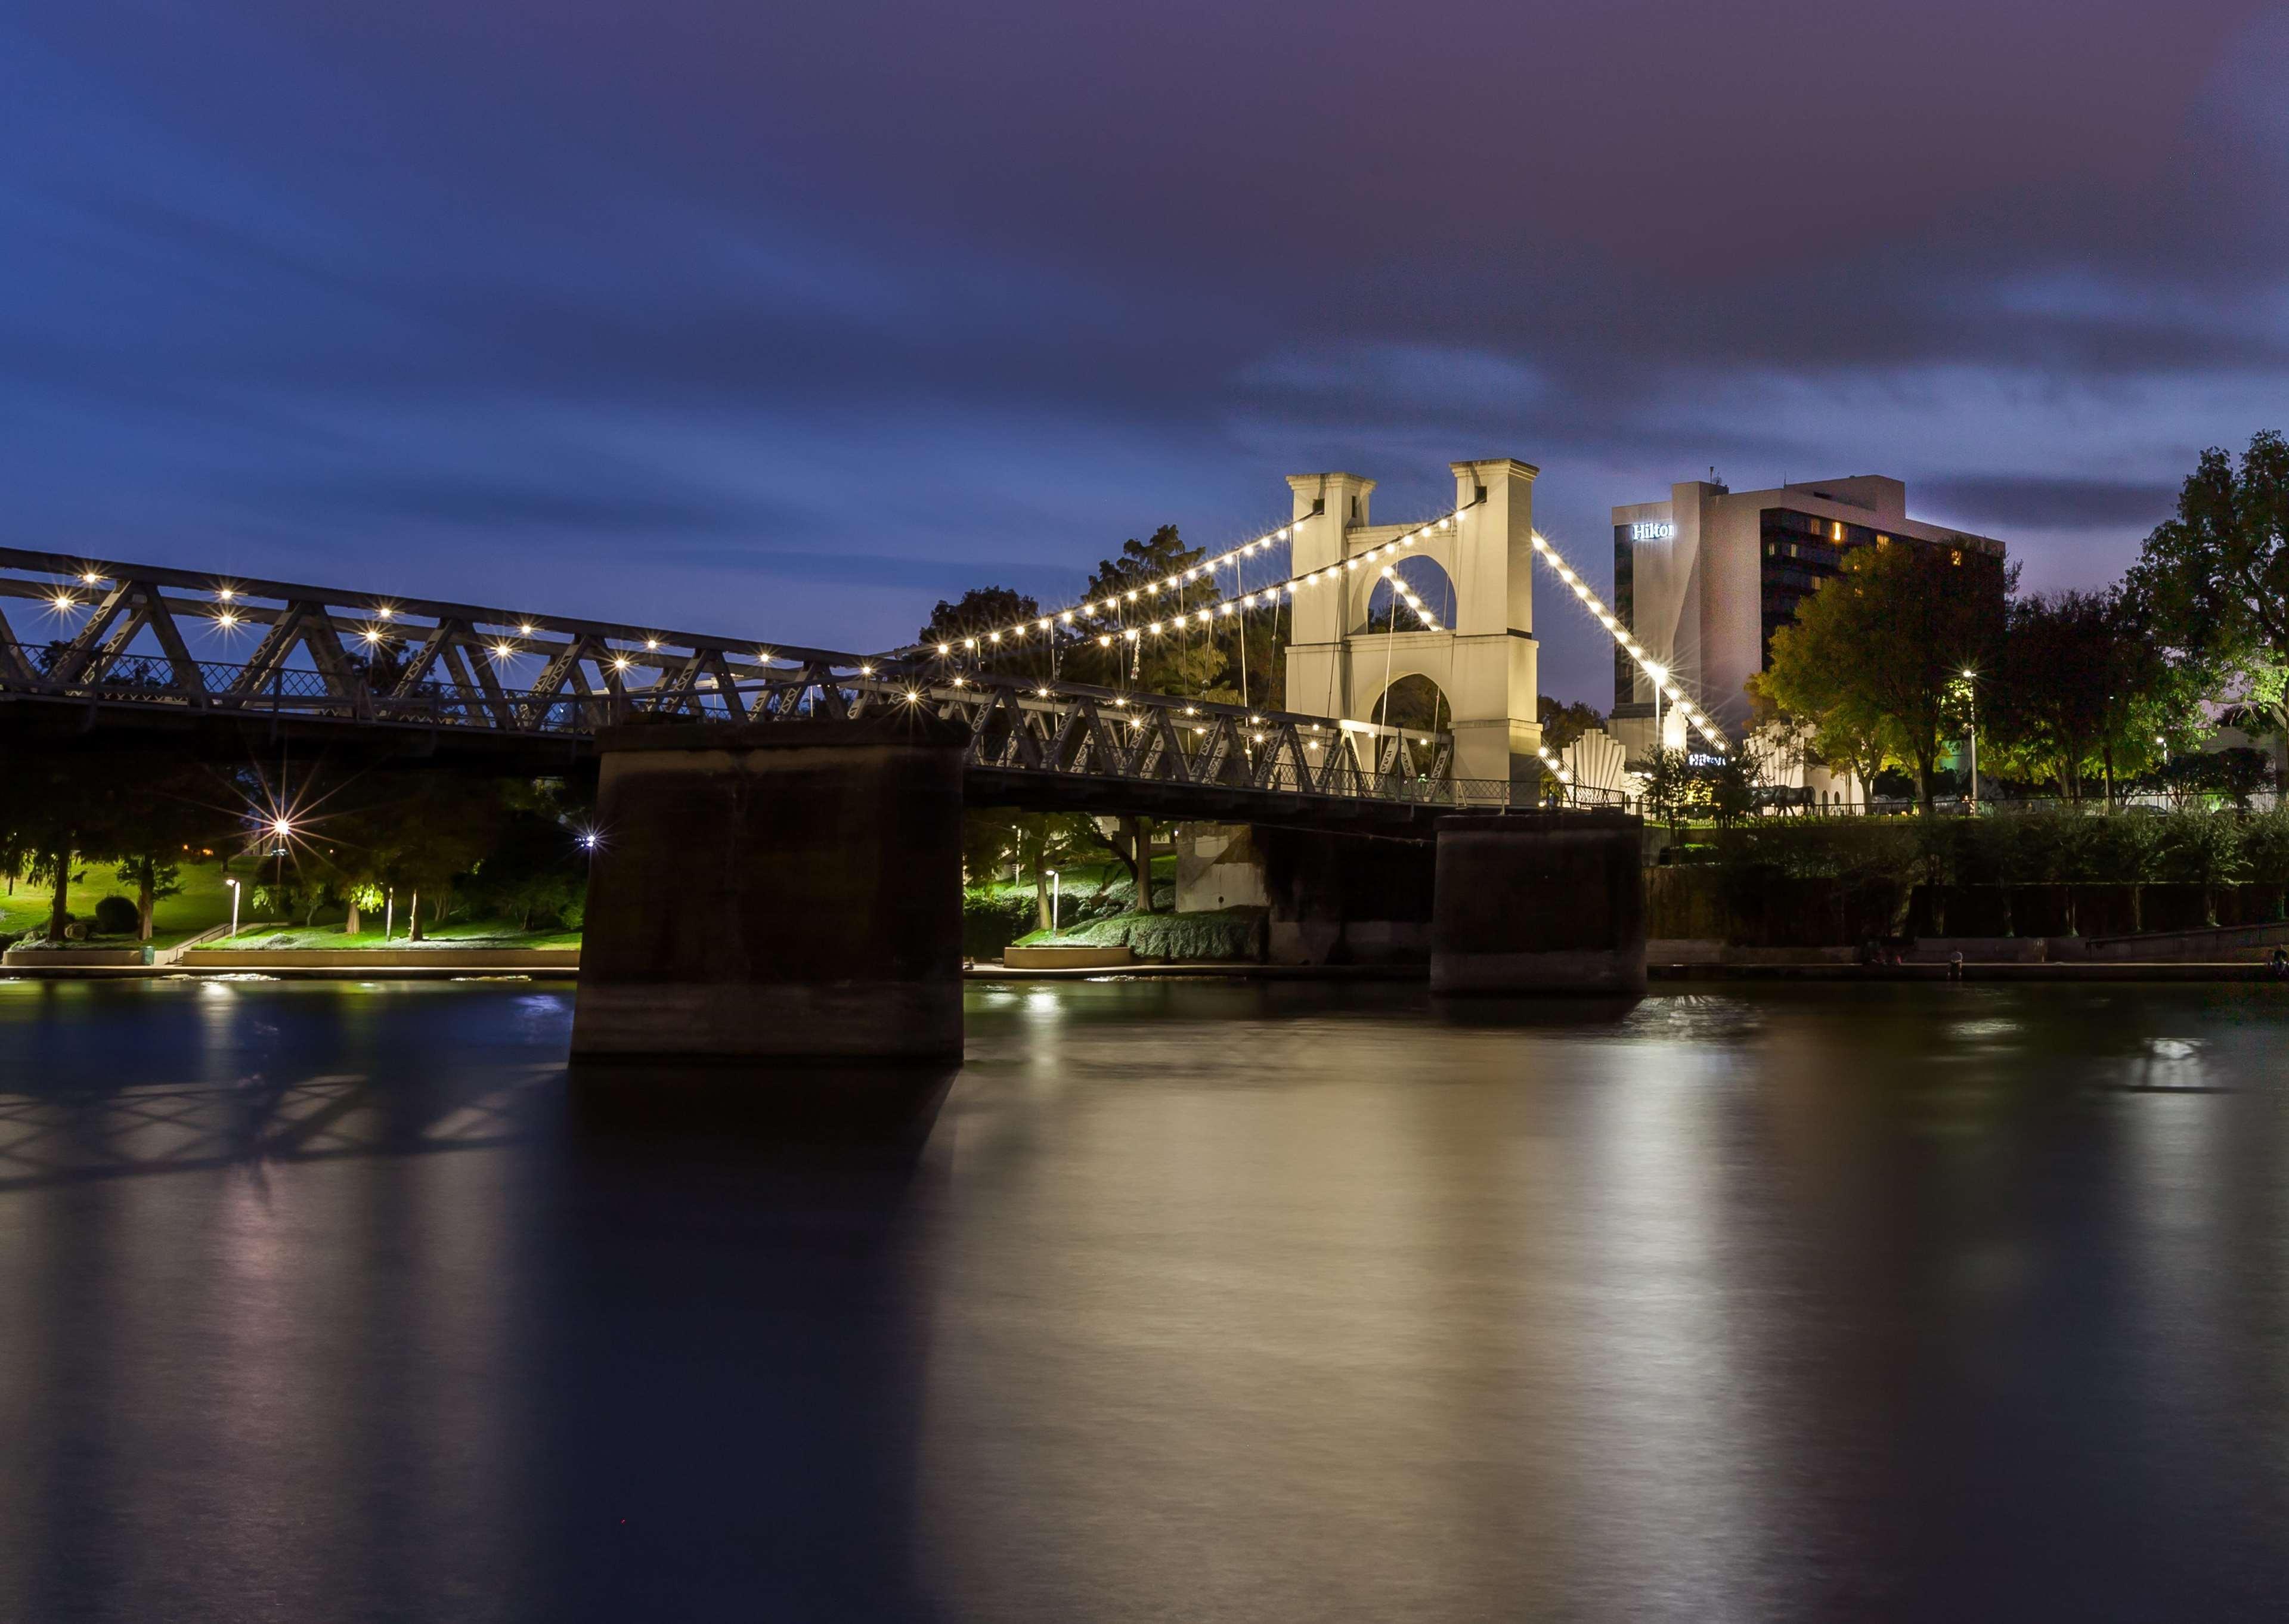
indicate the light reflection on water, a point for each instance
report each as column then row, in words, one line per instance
column 1199, row 1301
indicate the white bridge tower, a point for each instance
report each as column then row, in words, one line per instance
column 1485, row 663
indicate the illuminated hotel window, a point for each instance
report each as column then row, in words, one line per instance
column 1836, row 530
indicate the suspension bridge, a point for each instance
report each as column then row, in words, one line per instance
column 99, row 643
column 820, row 790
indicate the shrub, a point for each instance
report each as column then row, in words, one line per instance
column 2265, row 846
column 1223, row 934
column 118, row 916
column 991, row 919
column 2201, row 847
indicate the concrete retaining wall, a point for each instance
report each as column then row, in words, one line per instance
column 70, row 958
column 560, row 960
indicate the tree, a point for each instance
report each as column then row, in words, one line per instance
column 171, row 811
column 2080, row 687
column 2213, row 581
column 2047, row 695
column 975, row 617
column 1874, row 652
column 410, row 830
column 1732, row 788
column 1254, row 673
column 56, row 805
column 1674, row 792
column 1187, row 659
column 536, row 870
column 1563, row 723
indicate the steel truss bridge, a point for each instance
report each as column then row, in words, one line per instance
column 89, row 644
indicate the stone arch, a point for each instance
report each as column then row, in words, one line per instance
column 1415, row 706
column 1425, row 573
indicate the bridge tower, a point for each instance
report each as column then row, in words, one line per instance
column 1485, row 663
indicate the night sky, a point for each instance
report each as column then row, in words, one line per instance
column 783, row 320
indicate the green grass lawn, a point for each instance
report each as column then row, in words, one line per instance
column 459, row 934
column 204, row 903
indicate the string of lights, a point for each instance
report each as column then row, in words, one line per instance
column 1400, row 590
column 1663, row 681
column 1066, row 622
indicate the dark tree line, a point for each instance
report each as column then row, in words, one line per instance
column 423, row 839
column 1905, row 652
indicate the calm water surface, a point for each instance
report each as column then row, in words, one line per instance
column 322, row 1303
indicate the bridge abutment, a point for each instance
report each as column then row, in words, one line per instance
column 1344, row 899
column 774, row 892
column 1540, row 901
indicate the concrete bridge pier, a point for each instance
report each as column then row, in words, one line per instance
column 1539, row 902
column 783, row 892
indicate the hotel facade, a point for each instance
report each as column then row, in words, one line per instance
column 1707, row 575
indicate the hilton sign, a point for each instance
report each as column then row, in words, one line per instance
column 1657, row 531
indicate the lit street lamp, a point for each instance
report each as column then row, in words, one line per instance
column 1970, row 683
column 233, row 884
column 281, row 828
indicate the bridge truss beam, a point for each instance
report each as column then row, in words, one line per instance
column 122, row 638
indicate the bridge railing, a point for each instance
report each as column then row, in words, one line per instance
column 1015, row 725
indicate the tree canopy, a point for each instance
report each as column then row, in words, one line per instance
column 2080, row 688
column 2213, row 582
column 1190, row 659
column 1876, row 655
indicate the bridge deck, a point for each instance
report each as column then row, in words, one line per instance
column 425, row 675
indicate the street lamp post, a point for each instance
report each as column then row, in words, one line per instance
column 281, row 829
column 1053, row 902
column 233, row 884
column 1971, row 685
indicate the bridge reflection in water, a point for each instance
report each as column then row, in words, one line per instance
column 1280, row 1302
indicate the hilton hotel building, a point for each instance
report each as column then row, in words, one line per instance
column 1706, row 578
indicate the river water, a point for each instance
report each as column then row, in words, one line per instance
column 1198, row 1301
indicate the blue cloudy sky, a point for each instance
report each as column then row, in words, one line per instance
column 785, row 320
